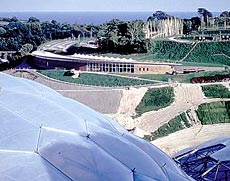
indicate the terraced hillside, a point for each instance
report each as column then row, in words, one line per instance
column 203, row 52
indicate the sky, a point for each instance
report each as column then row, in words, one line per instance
column 113, row 5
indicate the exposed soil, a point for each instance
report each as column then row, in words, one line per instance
column 191, row 137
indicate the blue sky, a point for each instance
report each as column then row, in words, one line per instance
column 113, row 5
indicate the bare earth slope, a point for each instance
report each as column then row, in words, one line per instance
column 122, row 103
column 191, row 137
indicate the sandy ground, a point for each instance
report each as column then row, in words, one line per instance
column 187, row 96
column 130, row 99
column 120, row 104
column 191, row 137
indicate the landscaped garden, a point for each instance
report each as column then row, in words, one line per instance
column 95, row 79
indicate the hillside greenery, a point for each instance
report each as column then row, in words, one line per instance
column 181, row 78
column 95, row 79
column 216, row 91
column 211, row 52
column 155, row 99
column 204, row 52
column 176, row 124
column 208, row 113
column 115, row 36
column 214, row 113
column 170, row 50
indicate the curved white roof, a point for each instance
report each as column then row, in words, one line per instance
column 45, row 136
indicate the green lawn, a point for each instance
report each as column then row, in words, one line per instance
column 181, row 78
column 155, row 99
column 216, row 91
column 95, row 79
column 214, row 113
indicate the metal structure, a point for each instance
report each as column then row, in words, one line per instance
column 209, row 161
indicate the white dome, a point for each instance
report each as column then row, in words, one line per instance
column 45, row 136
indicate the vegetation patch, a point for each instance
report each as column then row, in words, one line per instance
column 204, row 52
column 212, row 52
column 182, row 78
column 216, row 91
column 170, row 50
column 94, row 79
column 178, row 123
column 214, row 113
column 155, row 99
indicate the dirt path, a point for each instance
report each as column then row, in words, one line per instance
column 130, row 99
column 187, row 96
column 191, row 137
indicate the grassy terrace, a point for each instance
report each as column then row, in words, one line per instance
column 216, row 91
column 150, row 57
column 208, row 113
column 214, row 113
column 178, row 123
column 95, row 79
column 182, row 78
column 155, row 99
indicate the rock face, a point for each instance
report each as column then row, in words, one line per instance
column 45, row 136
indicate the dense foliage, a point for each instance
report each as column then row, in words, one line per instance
column 216, row 91
column 214, row 113
column 115, row 35
column 123, row 37
column 155, row 99
column 94, row 79
column 17, row 33
column 176, row 124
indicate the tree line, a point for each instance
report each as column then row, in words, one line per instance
column 115, row 36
